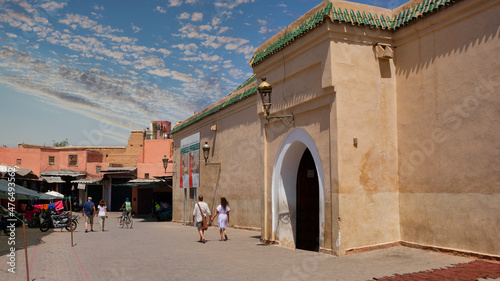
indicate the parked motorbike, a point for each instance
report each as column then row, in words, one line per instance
column 34, row 221
column 53, row 220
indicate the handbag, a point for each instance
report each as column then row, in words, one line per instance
column 205, row 224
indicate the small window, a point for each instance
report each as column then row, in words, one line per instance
column 52, row 160
column 18, row 161
column 146, row 175
column 73, row 160
column 98, row 169
column 192, row 192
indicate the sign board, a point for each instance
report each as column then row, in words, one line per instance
column 190, row 161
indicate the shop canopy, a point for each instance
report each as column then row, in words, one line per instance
column 53, row 179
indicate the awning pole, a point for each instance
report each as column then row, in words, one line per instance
column 185, row 204
column 26, row 249
column 71, row 220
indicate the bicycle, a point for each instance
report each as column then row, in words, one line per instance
column 125, row 220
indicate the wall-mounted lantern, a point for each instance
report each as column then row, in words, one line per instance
column 206, row 153
column 265, row 89
column 165, row 163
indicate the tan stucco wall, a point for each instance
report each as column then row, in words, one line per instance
column 448, row 78
column 425, row 168
column 338, row 90
column 237, row 145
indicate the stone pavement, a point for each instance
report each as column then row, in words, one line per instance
column 170, row 251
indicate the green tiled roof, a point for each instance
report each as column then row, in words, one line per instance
column 231, row 99
column 360, row 18
column 335, row 14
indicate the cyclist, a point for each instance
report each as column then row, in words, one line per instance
column 128, row 208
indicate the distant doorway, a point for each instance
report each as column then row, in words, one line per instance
column 307, row 235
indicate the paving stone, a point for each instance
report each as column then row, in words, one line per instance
column 170, row 251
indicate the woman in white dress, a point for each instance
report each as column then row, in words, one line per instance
column 223, row 212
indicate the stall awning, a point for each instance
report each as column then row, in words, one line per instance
column 53, row 179
column 21, row 172
column 82, row 183
column 148, row 183
column 61, row 173
column 119, row 170
column 88, row 181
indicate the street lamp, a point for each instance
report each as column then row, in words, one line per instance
column 206, row 152
column 265, row 89
column 165, row 163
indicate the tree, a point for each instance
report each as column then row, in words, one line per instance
column 61, row 143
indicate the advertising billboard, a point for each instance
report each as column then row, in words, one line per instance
column 190, row 161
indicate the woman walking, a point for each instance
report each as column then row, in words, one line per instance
column 103, row 213
column 223, row 212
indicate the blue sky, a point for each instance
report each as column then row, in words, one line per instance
column 92, row 71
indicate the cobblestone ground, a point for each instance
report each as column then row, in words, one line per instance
column 170, row 251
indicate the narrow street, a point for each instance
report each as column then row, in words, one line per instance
column 170, row 251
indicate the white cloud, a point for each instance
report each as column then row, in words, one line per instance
column 197, row 16
column 161, row 10
column 172, row 74
column 183, row 16
column 11, row 35
column 205, row 27
column 163, row 51
column 53, row 6
column 215, row 21
column 236, row 73
column 135, row 28
column 231, row 4
column 82, row 21
column 188, row 49
column 223, row 29
column 174, row 3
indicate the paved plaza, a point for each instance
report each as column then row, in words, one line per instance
column 170, row 251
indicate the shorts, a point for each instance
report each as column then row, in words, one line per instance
column 199, row 225
column 89, row 219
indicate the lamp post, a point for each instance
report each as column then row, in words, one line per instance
column 265, row 89
column 165, row 163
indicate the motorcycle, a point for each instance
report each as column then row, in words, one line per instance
column 34, row 221
column 53, row 220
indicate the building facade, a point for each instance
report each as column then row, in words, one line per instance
column 101, row 172
column 391, row 139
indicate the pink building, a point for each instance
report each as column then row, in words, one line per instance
column 135, row 171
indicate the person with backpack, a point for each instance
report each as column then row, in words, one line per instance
column 88, row 211
column 128, row 206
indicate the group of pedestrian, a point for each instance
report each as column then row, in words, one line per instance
column 89, row 212
column 202, row 210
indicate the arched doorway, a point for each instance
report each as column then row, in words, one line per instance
column 297, row 147
column 307, row 233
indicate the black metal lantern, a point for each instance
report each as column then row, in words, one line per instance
column 206, row 150
column 165, row 163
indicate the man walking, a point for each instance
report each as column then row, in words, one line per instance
column 198, row 219
column 89, row 213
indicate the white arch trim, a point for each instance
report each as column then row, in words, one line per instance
column 284, row 178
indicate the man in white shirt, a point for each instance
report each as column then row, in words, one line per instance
column 197, row 218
